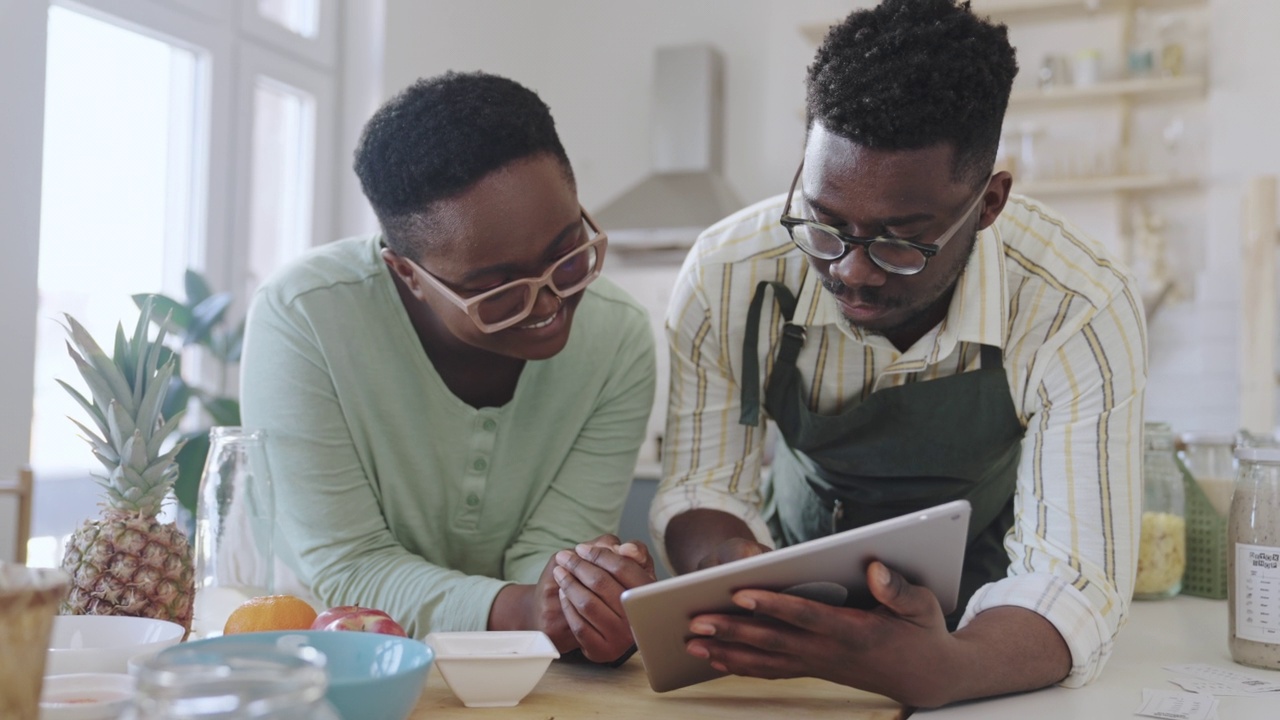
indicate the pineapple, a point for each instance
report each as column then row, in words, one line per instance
column 127, row 562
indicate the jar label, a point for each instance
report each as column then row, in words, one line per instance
column 1257, row 593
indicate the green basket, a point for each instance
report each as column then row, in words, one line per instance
column 1206, row 573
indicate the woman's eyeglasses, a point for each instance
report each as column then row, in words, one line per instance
column 510, row 303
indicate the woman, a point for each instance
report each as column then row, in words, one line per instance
column 441, row 441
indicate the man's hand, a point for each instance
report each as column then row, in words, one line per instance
column 900, row 649
column 591, row 580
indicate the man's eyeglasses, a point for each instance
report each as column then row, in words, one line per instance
column 895, row 255
column 510, row 303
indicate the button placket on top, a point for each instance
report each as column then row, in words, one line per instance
column 475, row 477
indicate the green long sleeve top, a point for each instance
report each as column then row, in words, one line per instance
column 393, row 493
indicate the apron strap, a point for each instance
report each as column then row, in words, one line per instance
column 792, row 340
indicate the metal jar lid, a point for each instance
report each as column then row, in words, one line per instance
column 1269, row 455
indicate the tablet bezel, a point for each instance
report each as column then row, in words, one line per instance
column 926, row 547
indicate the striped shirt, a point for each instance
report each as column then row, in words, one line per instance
column 1072, row 329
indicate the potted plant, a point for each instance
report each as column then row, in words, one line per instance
column 197, row 322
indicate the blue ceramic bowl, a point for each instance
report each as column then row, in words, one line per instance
column 371, row 676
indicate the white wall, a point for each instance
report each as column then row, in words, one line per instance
column 22, row 89
column 592, row 62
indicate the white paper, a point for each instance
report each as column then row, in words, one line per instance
column 1257, row 593
column 1251, row 684
column 1211, row 687
column 1172, row 705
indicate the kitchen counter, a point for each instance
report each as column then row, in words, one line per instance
column 1163, row 632
column 571, row 691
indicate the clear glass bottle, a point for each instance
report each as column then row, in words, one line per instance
column 235, row 522
column 244, row 680
column 1253, row 594
column 1162, row 550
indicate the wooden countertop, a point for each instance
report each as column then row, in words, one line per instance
column 569, row 691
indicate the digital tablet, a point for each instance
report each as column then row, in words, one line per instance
column 926, row 547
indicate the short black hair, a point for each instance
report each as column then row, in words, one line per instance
column 439, row 137
column 909, row 74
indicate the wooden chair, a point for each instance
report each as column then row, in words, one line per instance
column 23, row 490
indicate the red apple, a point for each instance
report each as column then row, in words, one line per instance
column 360, row 619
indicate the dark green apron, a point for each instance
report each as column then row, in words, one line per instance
column 902, row 449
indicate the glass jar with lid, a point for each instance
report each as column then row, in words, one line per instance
column 1253, row 602
column 1162, row 549
column 234, row 680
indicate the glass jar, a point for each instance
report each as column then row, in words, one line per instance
column 1211, row 460
column 1253, row 595
column 235, row 521
column 1162, row 549
column 234, row 680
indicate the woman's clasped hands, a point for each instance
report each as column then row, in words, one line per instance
column 587, row 583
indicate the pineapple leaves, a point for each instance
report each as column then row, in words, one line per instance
column 101, row 448
column 94, row 412
column 128, row 401
column 147, row 415
column 158, row 438
column 125, row 361
column 121, row 426
column 92, row 361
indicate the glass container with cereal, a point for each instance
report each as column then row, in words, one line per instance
column 1253, row 602
column 1162, row 549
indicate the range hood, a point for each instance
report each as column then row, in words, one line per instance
column 685, row 192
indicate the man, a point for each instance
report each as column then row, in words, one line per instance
column 918, row 335
column 454, row 407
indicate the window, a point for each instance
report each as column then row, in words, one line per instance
column 120, row 146
column 283, row 156
column 297, row 16
column 166, row 135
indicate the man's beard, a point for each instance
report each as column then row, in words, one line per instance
column 876, row 295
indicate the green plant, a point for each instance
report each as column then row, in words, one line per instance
column 198, row 321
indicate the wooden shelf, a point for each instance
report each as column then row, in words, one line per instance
column 1092, row 185
column 1111, row 90
column 1049, row 9
column 1029, row 10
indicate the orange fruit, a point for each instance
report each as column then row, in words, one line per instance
column 270, row 612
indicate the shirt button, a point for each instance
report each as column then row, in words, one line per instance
column 473, row 500
column 489, row 425
column 479, row 464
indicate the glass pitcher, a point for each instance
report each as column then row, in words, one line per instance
column 235, row 519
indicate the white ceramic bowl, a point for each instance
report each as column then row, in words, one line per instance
column 85, row 696
column 104, row 644
column 492, row 669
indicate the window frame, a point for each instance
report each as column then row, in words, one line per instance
column 225, row 34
